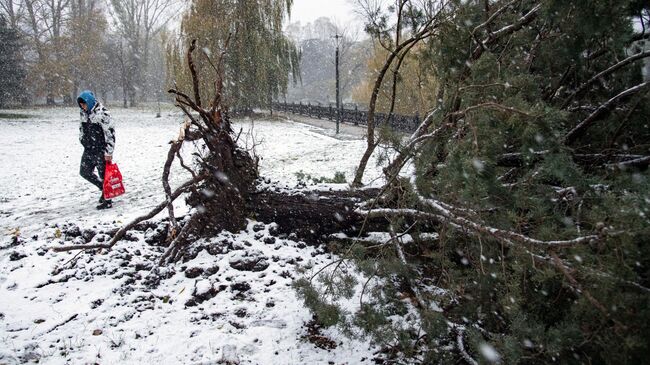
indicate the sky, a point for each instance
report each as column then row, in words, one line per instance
column 339, row 10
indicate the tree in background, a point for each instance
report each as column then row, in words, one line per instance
column 13, row 12
column 317, row 61
column 259, row 58
column 414, row 22
column 45, row 26
column 139, row 23
column 68, row 46
column 415, row 87
column 11, row 67
column 86, row 47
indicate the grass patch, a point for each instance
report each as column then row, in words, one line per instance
column 339, row 178
column 14, row 116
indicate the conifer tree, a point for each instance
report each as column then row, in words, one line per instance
column 532, row 169
column 12, row 71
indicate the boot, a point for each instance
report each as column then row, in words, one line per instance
column 101, row 198
column 106, row 204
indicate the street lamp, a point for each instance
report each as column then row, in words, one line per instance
column 338, row 89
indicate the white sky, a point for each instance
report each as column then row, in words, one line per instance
column 341, row 11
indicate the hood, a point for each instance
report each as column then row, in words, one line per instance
column 87, row 97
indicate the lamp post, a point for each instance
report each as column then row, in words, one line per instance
column 338, row 89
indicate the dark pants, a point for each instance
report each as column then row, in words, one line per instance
column 91, row 160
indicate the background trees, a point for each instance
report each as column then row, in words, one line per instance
column 139, row 23
column 317, row 45
column 12, row 72
column 68, row 45
column 260, row 60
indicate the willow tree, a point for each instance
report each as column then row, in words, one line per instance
column 260, row 58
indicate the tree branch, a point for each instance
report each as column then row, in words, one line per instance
column 602, row 74
column 580, row 129
column 122, row 231
column 195, row 78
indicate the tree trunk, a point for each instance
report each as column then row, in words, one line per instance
column 316, row 216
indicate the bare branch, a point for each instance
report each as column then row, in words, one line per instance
column 195, row 78
column 122, row 231
column 491, row 105
column 173, row 150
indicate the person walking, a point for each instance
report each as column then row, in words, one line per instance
column 97, row 136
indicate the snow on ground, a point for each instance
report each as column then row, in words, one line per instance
column 235, row 305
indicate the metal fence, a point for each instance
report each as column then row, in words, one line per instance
column 354, row 116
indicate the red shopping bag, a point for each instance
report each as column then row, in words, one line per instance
column 112, row 181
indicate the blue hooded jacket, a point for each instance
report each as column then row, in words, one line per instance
column 88, row 98
column 96, row 131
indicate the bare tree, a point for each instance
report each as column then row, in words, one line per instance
column 414, row 23
column 138, row 22
column 45, row 25
column 13, row 9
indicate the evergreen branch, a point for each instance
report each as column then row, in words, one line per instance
column 602, row 74
column 461, row 346
column 620, row 280
column 580, row 129
column 483, row 86
column 517, row 159
column 446, row 217
column 400, row 253
column 626, row 119
column 490, row 105
column 337, row 262
column 638, row 162
column 493, row 16
column 561, row 265
column 387, row 242
column 639, row 36
column 507, row 30
column 393, row 169
column 579, row 289
column 501, row 233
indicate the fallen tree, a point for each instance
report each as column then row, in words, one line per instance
column 539, row 225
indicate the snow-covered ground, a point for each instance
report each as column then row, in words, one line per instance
column 234, row 305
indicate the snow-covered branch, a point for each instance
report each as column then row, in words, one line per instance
column 493, row 16
column 506, row 30
column 604, row 73
column 593, row 117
